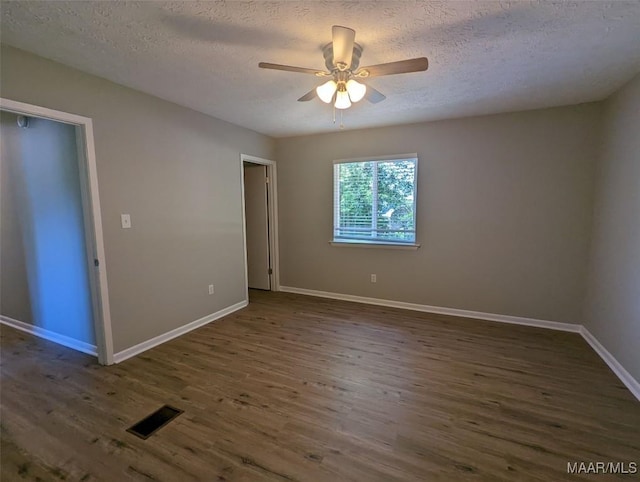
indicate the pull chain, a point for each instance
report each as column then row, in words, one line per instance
column 341, row 117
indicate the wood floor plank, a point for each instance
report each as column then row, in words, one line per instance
column 296, row 388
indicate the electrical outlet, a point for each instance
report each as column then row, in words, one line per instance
column 374, row 278
column 211, row 291
column 125, row 220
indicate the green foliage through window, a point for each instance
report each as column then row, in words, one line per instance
column 375, row 201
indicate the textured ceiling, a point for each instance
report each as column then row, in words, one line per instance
column 485, row 57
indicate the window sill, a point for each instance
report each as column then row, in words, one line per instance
column 375, row 245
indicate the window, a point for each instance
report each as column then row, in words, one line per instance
column 374, row 200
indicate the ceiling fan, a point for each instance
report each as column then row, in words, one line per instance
column 342, row 59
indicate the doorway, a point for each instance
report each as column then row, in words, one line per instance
column 53, row 280
column 260, row 223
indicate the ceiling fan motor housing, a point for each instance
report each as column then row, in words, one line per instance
column 327, row 51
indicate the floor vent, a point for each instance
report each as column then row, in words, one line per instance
column 158, row 419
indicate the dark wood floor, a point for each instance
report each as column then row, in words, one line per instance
column 302, row 388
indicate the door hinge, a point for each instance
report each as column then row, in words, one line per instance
column 270, row 271
column 267, row 180
column 96, row 263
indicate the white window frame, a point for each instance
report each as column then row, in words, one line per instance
column 346, row 242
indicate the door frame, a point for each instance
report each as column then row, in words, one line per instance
column 92, row 217
column 272, row 193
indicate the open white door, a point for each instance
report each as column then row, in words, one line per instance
column 257, row 226
column 91, row 223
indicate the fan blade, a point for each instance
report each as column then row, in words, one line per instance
column 290, row 68
column 308, row 96
column 343, row 39
column 374, row 96
column 401, row 67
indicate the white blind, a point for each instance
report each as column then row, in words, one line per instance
column 375, row 200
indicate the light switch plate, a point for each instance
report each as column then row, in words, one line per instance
column 126, row 221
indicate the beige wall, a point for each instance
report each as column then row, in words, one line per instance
column 504, row 209
column 177, row 172
column 504, row 213
column 612, row 311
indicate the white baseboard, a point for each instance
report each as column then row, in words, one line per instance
column 625, row 377
column 69, row 342
column 147, row 345
column 514, row 320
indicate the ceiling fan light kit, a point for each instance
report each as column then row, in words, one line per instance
column 341, row 93
column 356, row 90
column 342, row 99
column 342, row 59
column 326, row 91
